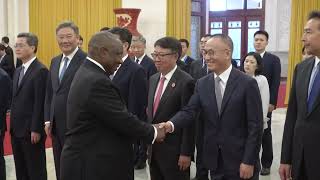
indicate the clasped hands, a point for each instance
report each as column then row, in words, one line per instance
column 162, row 129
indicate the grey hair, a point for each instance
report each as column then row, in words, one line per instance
column 68, row 24
column 31, row 39
column 139, row 39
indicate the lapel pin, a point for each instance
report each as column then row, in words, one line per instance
column 173, row 85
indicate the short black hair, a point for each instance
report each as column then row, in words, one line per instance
column 2, row 47
column 263, row 32
column 258, row 58
column 31, row 39
column 124, row 34
column 185, row 41
column 169, row 43
column 68, row 24
column 314, row 15
column 5, row 39
column 104, row 29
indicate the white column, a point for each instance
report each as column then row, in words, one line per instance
column 3, row 18
column 152, row 19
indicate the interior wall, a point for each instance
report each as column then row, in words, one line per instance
column 152, row 19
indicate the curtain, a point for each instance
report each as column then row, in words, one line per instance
column 88, row 15
column 299, row 13
column 179, row 18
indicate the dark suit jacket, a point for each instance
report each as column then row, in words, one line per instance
column 100, row 129
column 131, row 79
column 57, row 93
column 5, row 98
column 237, row 130
column 148, row 65
column 302, row 129
column 183, row 66
column 197, row 70
column 8, row 65
column 28, row 100
column 9, row 51
column 174, row 97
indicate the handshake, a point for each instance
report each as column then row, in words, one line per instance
column 162, row 129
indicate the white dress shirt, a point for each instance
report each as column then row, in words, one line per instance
column 70, row 56
column 224, row 79
column 27, row 64
column 265, row 97
column 140, row 58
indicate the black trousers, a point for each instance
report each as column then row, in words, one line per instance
column 167, row 171
column 201, row 171
column 140, row 152
column 57, row 145
column 29, row 159
column 2, row 161
column 267, row 147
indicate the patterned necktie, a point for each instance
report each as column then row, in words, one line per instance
column 217, row 89
column 315, row 88
column 21, row 74
column 158, row 95
column 64, row 68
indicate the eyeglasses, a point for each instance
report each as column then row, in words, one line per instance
column 19, row 46
column 212, row 52
column 161, row 56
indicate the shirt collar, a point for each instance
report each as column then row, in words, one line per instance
column 141, row 57
column 70, row 56
column 27, row 64
column 262, row 54
column 96, row 63
column 124, row 58
column 169, row 74
column 225, row 75
column 317, row 60
column 184, row 58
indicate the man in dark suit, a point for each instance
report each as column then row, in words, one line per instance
column 138, row 47
column 26, row 123
column 100, row 133
column 184, row 57
column 169, row 90
column 300, row 144
column 5, row 98
column 6, row 61
column 62, row 70
column 131, row 80
column 233, row 123
column 272, row 71
column 198, row 69
column 5, row 42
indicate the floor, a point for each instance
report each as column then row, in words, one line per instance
column 277, row 129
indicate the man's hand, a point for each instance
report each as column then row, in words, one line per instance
column 48, row 129
column 184, row 162
column 285, row 171
column 167, row 126
column 271, row 108
column 35, row 137
column 246, row 171
column 161, row 133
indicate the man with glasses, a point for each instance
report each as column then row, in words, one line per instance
column 231, row 105
column 27, row 109
column 169, row 90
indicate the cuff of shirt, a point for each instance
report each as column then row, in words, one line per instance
column 155, row 135
column 47, row 122
column 172, row 126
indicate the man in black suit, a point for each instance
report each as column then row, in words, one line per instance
column 300, row 144
column 169, row 90
column 138, row 47
column 6, row 61
column 184, row 57
column 198, row 69
column 5, row 42
column 100, row 133
column 26, row 122
column 5, row 98
column 233, row 122
column 62, row 70
column 272, row 71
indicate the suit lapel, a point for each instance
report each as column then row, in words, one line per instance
column 28, row 72
column 210, row 92
column 55, row 72
column 122, row 69
column 15, row 80
column 72, row 67
column 308, row 71
column 230, row 87
column 152, row 90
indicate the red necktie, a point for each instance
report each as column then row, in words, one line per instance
column 158, row 96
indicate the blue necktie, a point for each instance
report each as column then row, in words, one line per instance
column 64, row 68
column 21, row 75
column 314, row 92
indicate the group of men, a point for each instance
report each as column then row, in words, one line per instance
column 104, row 110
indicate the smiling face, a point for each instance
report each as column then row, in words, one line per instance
column 311, row 37
column 67, row 40
column 164, row 59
